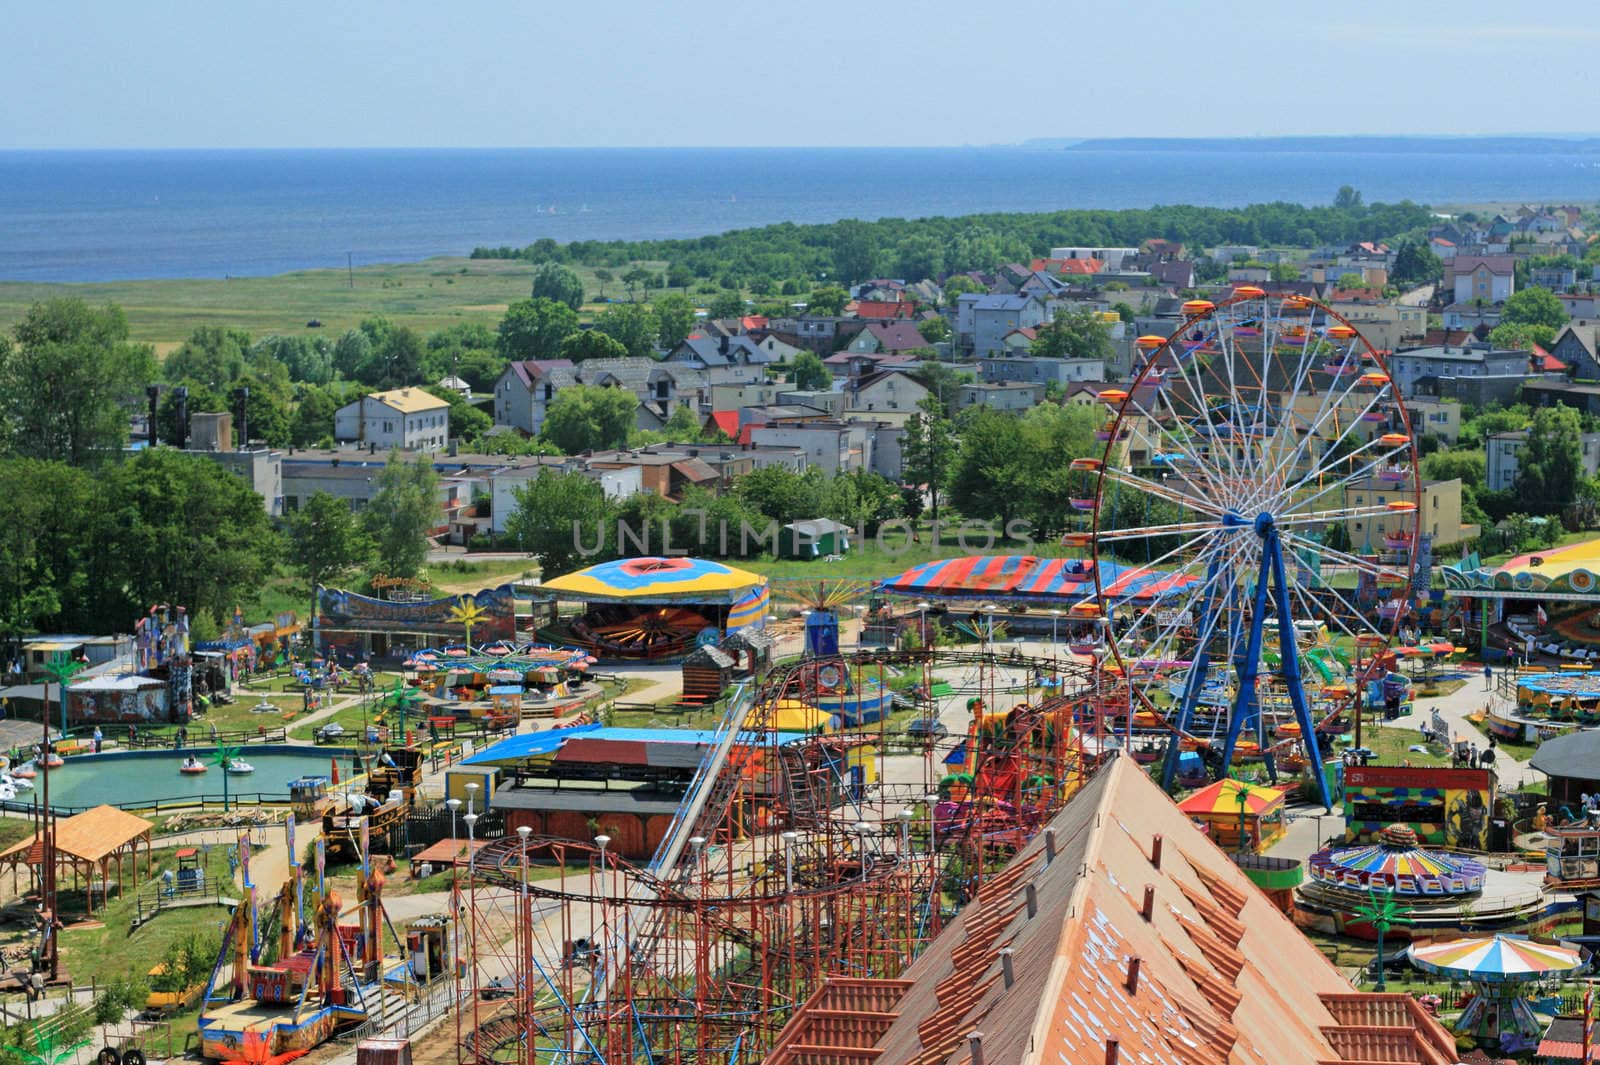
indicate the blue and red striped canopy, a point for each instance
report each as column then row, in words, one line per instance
column 1026, row 578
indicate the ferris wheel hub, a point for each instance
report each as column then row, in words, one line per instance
column 1264, row 523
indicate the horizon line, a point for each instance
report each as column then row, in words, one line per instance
column 1061, row 139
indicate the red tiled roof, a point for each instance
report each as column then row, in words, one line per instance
column 882, row 310
column 727, row 421
column 752, row 322
column 1444, row 243
column 1139, row 931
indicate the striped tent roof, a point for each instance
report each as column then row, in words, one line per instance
column 1026, row 578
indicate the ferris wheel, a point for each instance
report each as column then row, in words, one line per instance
column 1255, row 530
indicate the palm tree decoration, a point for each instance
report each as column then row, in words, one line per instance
column 1382, row 913
column 223, row 758
column 63, row 669
column 405, row 699
column 467, row 613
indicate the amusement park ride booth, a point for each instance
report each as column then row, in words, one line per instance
column 1448, row 807
column 1239, row 816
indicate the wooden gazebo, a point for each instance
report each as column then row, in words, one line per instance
column 751, row 650
column 90, row 843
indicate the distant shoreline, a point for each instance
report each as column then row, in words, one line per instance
column 1333, row 145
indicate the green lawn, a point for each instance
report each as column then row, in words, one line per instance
column 100, row 953
column 427, row 296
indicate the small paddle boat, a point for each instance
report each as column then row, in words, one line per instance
column 54, row 761
column 192, row 766
column 239, row 767
column 25, row 771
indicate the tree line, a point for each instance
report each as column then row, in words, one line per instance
column 850, row 250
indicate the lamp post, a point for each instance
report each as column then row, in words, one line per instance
column 525, row 957
column 905, row 817
column 861, row 829
column 472, row 793
column 789, row 840
column 472, row 885
column 454, row 805
column 922, row 624
column 1055, row 620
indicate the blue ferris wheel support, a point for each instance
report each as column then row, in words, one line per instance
column 1271, row 580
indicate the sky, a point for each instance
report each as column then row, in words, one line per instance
column 476, row 73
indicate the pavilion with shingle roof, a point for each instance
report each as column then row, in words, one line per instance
column 89, row 842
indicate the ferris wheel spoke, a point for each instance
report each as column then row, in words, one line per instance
column 1351, row 479
column 1314, row 430
column 1162, row 490
column 1351, row 611
column 1191, row 597
column 1186, row 469
column 1324, row 516
column 1344, row 558
column 1148, row 532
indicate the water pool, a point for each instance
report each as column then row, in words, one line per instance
column 145, row 778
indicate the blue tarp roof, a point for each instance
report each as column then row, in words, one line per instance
column 529, row 743
column 505, row 689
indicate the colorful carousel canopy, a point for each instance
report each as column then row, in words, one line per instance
column 1573, row 569
column 659, row 580
column 1026, row 578
column 1222, row 798
column 1395, row 863
column 1497, row 959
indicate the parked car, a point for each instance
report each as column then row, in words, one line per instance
column 329, row 732
column 927, row 728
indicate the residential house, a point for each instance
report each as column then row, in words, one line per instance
column 1575, row 346
column 1019, row 342
column 889, row 338
column 1439, row 512
column 1432, row 416
column 1173, row 273
column 1489, row 278
column 1583, row 305
column 1386, row 326
column 732, row 397
column 1473, row 317
column 1549, row 393
column 831, row 446
column 1501, row 450
column 830, row 401
column 880, row 310
column 886, row 390
column 982, row 321
column 666, row 471
column 456, row 385
column 1044, row 285
column 526, row 389
column 1409, row 366
column 1554, row 278
column 1161, row 249
column 814, row 332
column 777, row 348
column 1029, row 369
column 1003, row 396
column 1111, row 258
column 406, row 418
column 616, row 481
column 1444, row 249
column 703, row 352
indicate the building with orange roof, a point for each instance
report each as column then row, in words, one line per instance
column 1120, row 935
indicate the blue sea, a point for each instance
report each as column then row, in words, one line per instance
column 97, row 216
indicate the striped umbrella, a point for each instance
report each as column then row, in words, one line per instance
column 1498, row 959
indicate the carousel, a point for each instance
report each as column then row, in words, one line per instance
column 1504, row 971
column 655, row 608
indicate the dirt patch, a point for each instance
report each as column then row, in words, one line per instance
column 497, row 308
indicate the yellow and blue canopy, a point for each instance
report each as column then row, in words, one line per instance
column 661, row 580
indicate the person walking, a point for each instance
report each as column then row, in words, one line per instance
column 1488, row 676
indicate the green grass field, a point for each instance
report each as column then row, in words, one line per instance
column 427, row 296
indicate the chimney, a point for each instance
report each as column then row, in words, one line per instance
column 1113, row 1051
column 1148, row 910
column 372, row 447
column 180, row 396
column 153, row 393
column 1008, row 969
column 1032, row 893
column 1049, row 845
column 722, row 344
column 1155, row 852
column 241, row 397
column 1132, row 982
column 975, row 1047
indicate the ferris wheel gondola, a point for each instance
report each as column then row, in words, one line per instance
column 1256, row 532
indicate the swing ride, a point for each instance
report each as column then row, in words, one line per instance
column 1252, row 441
